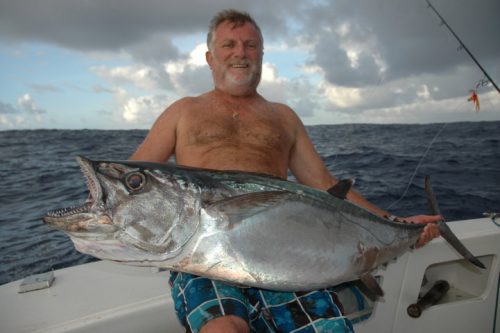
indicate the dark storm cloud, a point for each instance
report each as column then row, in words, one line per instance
column 153, row 50
column 404, row 34
column 92, row 25
column 337, row 64
column 114, row 25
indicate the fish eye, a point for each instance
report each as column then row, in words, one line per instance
column 135, row 181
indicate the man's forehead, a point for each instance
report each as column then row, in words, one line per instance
column 228, row 29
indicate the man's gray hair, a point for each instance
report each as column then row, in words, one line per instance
column 233, row 16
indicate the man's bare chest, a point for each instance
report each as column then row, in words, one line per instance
column 266, row 132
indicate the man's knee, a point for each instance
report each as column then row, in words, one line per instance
column 226, row 324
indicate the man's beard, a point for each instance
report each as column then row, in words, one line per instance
column 238, row 83
column 251, row 77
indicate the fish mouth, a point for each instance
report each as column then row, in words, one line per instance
column 86, row 217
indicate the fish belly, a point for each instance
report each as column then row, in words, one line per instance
column 294, row 246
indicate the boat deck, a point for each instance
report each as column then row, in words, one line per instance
column 108, row 297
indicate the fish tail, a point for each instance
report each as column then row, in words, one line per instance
column 447, row 234
column 445, row 230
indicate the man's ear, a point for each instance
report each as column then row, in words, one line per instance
column 209, row 58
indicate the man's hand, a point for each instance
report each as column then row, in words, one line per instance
column 430, row 231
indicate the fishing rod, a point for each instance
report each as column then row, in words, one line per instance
column 462, row 45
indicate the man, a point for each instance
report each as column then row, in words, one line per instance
column 232, row 127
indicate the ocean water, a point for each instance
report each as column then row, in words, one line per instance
column 38, row 172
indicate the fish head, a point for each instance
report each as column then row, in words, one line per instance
column 134, row 212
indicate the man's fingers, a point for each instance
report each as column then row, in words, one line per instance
column 430, row 232
column 423, row 219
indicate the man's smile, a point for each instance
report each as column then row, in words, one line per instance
column 239, row 65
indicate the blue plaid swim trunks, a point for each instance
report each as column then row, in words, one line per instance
column 198, row 300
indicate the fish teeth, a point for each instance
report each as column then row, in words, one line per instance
column 92, row 182
column 61, row 212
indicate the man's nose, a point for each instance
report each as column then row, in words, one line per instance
column 240, row 50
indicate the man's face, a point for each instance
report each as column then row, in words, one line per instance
column 236, row 58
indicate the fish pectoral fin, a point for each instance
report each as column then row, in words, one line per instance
column 341, row 189
column 370, row 287
column 243, row 206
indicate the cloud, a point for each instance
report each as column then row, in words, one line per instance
column 130, row 109
column 10, row 122
column 91, row 25
column 10, row 116
column 380, row 42
column 143, row 110
column 6, row 108
column 347, row 56
column 118, row 24
column 353, row 43
column 142, row 76
column 333, row 61
column 28, row 105
column 186, row 75
column 289, row 91
column 191, row 75
column 154, row 50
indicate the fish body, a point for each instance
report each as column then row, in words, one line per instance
column 242, row 228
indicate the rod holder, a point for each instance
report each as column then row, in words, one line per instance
column 434, row 295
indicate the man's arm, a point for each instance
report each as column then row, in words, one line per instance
column 160, row 142
column 309, row 169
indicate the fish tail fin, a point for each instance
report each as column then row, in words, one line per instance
column 445, row 230
column 447, row 234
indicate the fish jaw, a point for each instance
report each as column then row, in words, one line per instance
column 80, row 223
column 87, row 220
column 114, row 250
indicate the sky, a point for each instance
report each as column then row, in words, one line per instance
column 117, row 64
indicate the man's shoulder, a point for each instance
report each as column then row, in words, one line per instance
column 190, row 101
column 185, row 105
column 281, row 107
column 187, row 110
column 286, row 111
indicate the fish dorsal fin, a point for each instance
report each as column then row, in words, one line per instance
column 243, row 206
column 341, row 189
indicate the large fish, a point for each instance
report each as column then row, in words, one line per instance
column 243, row 228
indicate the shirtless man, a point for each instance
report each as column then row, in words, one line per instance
column 234, row 128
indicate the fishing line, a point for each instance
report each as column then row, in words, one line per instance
column 418, row 167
